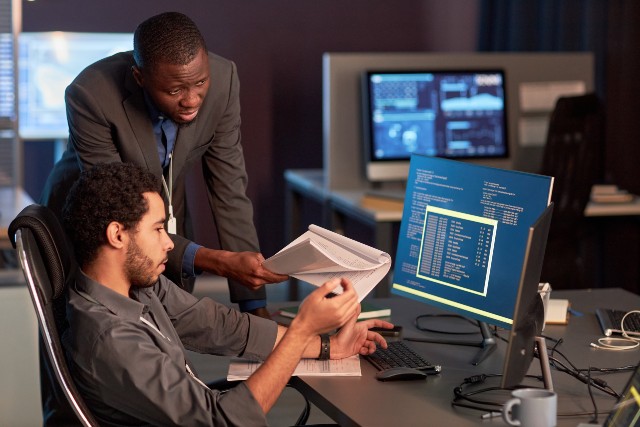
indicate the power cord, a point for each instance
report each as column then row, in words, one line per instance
column 594, row 419
column 491, row 408
column 614, row 343
column 598, row 383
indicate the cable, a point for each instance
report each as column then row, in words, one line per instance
column 489, row 408
column 594, row 420
column 595, row 382
column 613, row 343
column 607, row 343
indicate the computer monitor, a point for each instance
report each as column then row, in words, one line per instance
column 472, row 241
column 458, row 114
column 47, row 63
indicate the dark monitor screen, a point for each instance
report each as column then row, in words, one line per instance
column 47, row 63
column 458, row 114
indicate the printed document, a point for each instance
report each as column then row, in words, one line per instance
column 241, row 369
column 320, row 255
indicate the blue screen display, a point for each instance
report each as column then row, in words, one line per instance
column 47, row 63
column 464, row 234
column 454, row 114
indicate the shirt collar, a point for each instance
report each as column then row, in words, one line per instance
column 121, row 306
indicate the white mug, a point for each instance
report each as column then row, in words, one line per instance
column 531, row 407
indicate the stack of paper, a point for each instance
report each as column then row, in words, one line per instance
column 557, row 312
column 320, row 255
column 610, row 194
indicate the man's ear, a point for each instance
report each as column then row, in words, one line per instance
column 137, row 75
column 116, row 235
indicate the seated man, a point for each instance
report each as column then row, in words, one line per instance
column 130, row 326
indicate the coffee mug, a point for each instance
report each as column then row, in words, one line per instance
column 531, row 407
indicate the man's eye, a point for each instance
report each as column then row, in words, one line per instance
column 174, row 92
column 200, row 83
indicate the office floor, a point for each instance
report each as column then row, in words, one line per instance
column 290, row 404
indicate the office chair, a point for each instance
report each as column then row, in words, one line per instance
column 573, row 155
column 49, row 267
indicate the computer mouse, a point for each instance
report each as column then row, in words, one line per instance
column 400, row 374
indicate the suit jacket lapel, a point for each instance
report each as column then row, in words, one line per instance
column 184, row 144
column 138, row 116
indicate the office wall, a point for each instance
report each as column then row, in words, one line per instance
column 278, row 48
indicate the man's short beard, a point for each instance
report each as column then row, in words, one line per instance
column 137, row 267
column 187, row 124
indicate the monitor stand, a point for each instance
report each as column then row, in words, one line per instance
column 487, row 344
column 545, row 368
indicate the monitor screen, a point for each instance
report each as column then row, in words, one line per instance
column 464, row 235
column 454, row 114
column 47, row 63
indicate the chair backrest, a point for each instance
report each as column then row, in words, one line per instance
column 49, row 266
column 573, row 154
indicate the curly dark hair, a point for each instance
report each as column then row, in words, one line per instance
column 169, row 37
column 105, row 193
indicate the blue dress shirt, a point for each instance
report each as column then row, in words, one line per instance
column 165, row 125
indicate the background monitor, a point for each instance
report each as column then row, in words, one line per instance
column 47, row 63
column 459, row 114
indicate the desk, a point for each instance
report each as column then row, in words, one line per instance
column 364, row 401
column 613, row 209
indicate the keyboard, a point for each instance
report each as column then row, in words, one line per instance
column 610, row 319
column 399, row 354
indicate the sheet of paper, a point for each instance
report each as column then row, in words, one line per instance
column 241, row 369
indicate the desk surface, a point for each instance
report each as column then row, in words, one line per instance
column 365, row 401
column 613, row 209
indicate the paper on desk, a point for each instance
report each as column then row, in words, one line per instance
column 241, row 369
column 320, row 255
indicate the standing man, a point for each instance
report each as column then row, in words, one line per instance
column 129, row 326
column 170, row 105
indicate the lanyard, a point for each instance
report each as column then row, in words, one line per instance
column 171, row 222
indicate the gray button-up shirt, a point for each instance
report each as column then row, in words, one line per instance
column 127, row 355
